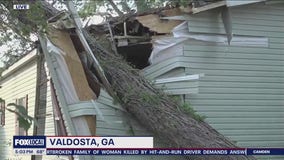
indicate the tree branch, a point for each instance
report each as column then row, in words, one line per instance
column 115, row 8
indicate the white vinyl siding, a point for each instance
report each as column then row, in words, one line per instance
column 241, row 93
column 18, row 84
column 15, row 86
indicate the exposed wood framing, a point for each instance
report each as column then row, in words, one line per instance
column 154, row 22
column 98, row 67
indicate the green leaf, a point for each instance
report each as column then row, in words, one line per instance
column 20, row 109
column 23, row 123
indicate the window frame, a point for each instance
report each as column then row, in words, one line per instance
column 19, row 130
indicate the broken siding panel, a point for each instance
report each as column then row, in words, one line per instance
column 166, row 69
column 113, row 120
column 120, row 123
column 160, row 69
column 178, row 85
column 116, row 121
column 205, row 24
column 173, row 73
column 181, row 91
column 166, row 48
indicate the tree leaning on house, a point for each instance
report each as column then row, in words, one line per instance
column 152, row 107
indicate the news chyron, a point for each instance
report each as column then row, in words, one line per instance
column 56, row 145
column 81, row 145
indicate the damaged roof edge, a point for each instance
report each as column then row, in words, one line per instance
column 231, row 3
column 228, row 3
column 209, row 6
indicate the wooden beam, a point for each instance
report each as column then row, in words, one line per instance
column 78, row 24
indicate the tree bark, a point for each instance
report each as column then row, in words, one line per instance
column 157, row 111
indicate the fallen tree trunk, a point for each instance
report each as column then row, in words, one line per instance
column 156, row 110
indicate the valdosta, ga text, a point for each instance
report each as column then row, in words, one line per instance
column 81, row 142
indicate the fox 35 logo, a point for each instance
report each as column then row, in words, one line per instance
column 29, row 142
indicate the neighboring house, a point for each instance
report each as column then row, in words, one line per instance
column 18, row 85
column 241, row 90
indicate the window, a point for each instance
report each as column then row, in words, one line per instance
column 2, row 113
column 19, row 130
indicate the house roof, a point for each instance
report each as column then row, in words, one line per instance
column 23, row 61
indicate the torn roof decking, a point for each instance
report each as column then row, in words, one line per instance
column 62, row 40
column 70, row 82
column 154, row 23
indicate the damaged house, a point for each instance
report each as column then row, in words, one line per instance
column 224, row 58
